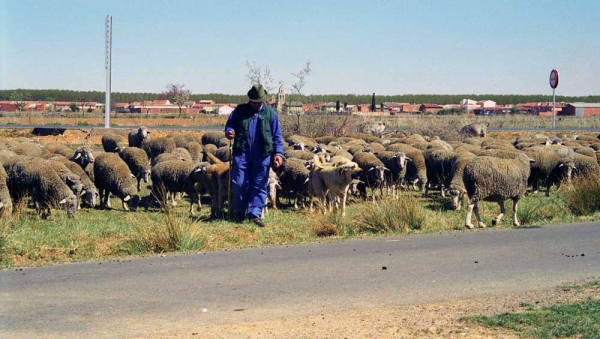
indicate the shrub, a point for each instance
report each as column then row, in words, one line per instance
column 583, row 196
column 390, row 215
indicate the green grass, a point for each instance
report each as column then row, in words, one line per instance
column 581, row 320
column 28, row 240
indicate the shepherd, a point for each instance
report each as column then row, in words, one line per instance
column 257, row 144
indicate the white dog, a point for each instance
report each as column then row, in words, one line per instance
column 333, row 181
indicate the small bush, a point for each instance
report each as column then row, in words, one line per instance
column 390, row 215
column 583, row 196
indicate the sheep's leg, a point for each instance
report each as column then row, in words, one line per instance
column 296, row 200
column 468, row 222
column 515, row 207
column 138, row 184
column 476, row 211
column 173, row 196
column 345, row 196
column 500, row 216
column 125, row 206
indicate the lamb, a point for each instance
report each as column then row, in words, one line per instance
column 272, row 186
column 171, row 177
column 112, row 175
column 333, row 182
column 138, row 163
column 496, row 180
column 154, row 147
column 112, row 143
column 474, row 129
column 137, row 138
column 6, row 206
column 32, row 177
column 372, row 174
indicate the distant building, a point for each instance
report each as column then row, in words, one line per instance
column 468, row 104
column 580, row 109
column 430, row 108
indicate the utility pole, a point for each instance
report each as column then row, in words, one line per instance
column 108, row 61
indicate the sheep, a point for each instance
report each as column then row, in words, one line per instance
column 496, row 180
column 295, row 139
column 91, row 192
column 69, row 178
column 585, row 165
column 212, row 137
column 154, row 147
column 165, row 157
column 209, row 148
column 196, row 151
column 29, row 149
column 182, row 153
column 294, row 177
column 6, row 206
column 112, row 175
column 395, row 162
column 454, row 181
column 299, row 154
column 563, row 170
column 438, row 164
column 34, row 178
column 474, row 130
column 84, row 157
column 5, row 157
column 137, row 138
column 217, row 183
column 171, row 177
column 112, row 143
column 59, row 148
column 546, row 163
column 332, row 182
column 138, row 163
column 372, row 174
column 223, row 153
column 415, row 172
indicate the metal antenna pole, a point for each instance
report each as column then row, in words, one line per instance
column 107, row 66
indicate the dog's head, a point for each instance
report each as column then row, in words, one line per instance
column 350, row 169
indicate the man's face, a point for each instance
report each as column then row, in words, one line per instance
column 255, row 105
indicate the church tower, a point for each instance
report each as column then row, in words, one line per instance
column 280, row 99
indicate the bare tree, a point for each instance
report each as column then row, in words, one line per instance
column 178, row 94
column 297, row 88
column 20, row 98
column 260, row 75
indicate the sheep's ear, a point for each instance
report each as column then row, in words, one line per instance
column 82, row 192
column 370, row 169
column 306, row 181
column 132, row 175
column 77, row 156
column 408, row 159
column 386, row 169
column 127, row 198
column 63, row 201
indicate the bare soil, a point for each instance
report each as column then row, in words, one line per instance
column 436, row 320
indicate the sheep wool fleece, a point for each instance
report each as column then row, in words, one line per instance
column 250, row 168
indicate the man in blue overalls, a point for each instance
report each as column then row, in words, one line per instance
column 254, row 128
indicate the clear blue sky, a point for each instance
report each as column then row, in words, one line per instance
column 355, row 47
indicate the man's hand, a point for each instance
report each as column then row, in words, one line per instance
column 278, row 161
column 230, row 134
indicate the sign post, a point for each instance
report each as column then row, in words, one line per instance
column 107, row 66
column 553, row 84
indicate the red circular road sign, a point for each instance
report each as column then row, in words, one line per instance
column 554, row 78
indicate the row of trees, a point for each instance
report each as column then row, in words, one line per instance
column 351, row 99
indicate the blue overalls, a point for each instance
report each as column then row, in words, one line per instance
column 250, row 168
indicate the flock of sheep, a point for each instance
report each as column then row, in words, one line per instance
column 324, row 169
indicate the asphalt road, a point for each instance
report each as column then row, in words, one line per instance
column 134, row 297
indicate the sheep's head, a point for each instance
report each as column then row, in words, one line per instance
column 70, row 204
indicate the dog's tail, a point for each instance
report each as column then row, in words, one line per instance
column 319, row 160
